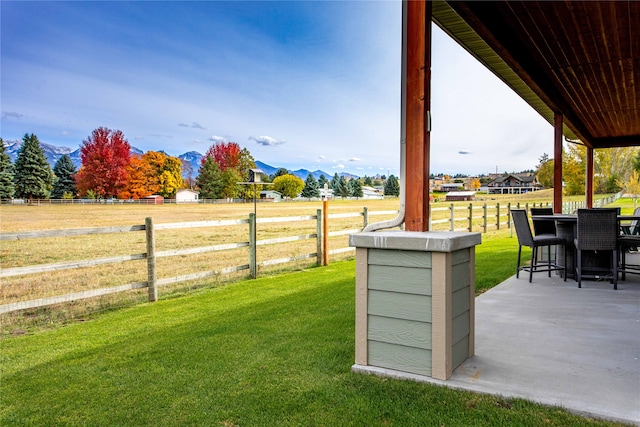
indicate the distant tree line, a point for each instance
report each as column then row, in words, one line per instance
column 615, row 169
column 109, row 170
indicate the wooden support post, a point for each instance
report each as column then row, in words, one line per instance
column 417, row 87
column 497, row 216
column 557, row 162
column 253, row 264
column 151, row 259
column 470, row 217
column 319, row 234
column 589, row 178
column 325, row 232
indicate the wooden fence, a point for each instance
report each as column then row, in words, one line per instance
column 456, row 217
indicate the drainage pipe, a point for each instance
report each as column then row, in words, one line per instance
column 399, row 220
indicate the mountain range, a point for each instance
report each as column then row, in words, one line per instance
column 190, row 158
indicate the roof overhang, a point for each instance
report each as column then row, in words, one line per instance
column 580, row 59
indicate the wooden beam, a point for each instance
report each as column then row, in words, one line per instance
column 417, row 51
column 557, row 162
column 588, row 188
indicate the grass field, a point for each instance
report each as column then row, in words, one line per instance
column 272, row 351
column 265, row 352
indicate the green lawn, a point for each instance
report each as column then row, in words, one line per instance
column 276, row 351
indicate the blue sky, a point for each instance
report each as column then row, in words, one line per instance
column 300, row 84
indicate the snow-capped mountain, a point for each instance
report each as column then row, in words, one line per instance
column 190, row 158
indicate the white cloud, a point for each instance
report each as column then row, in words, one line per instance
column 354, row 159
column 194, row 125
column 339, row 166
column 216, row 138
column 267, row 141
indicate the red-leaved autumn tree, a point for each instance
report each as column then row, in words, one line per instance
column 225, row 154
column 105, row 156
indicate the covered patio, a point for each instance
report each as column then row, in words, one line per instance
column 552, row 343
column 577, row 63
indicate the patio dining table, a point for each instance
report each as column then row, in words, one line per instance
column 566, row 226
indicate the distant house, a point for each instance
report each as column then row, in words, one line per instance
column 371, row 193
column 270, row 196
column 457, row 196
column 326, row 193
column 513, row 184
column 451, row 187
column 185, row 195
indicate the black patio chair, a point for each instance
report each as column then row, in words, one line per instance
column 526, row 238
column 597, row 231
column 629, row 240
column 627, row 243
column 633, row 228
column 543, row 226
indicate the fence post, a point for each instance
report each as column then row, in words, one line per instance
column 253, row 270
column 325, row 232
column 470, row 217
column 509, row 215
column 365, row 214
column 452, row 218
column 151, row 259
column 497, row 215
column 319, row 256
column 484, row 216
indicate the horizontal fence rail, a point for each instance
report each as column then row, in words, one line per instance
column 455, row 217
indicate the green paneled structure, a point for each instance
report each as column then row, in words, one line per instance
column 414, row 301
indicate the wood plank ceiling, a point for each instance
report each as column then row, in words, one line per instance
column 578, row 58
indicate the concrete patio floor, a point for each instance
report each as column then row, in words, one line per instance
column 553, row 343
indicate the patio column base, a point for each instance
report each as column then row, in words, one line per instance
column 415, row 294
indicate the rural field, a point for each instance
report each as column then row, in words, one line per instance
column 71, row 249
column 271, row 351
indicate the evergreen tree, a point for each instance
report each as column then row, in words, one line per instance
column 33, row 175
column 209, row 179
column 368, row 181
column 342, row 189
column 322, row 181
column 7, row 187
column 334, row 183
column 392, row 186
column 355, row 188
column 311, row 188
column 64, row 170
column 279, row 172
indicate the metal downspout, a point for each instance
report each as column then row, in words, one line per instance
column 399, row 220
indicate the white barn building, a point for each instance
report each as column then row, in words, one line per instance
column 185, row 195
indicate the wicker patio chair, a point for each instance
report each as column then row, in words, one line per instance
column 542, row 226
column 526, row 238
column 633, row 228
column 597, row 231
